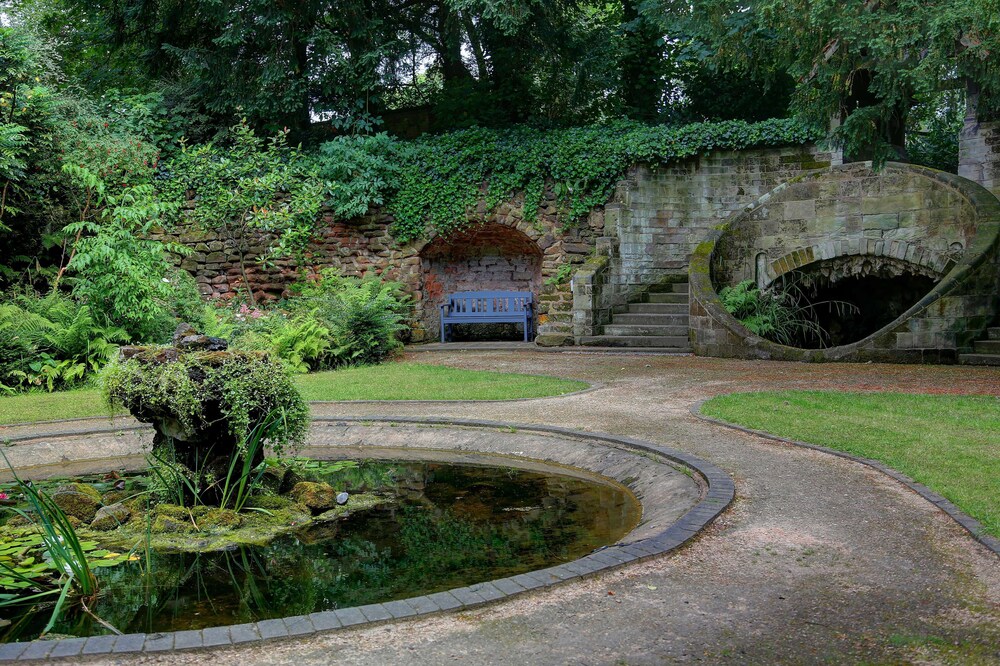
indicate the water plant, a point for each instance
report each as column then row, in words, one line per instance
column 51, row 561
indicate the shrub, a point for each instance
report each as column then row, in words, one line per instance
column 775, row 315
column 364, row 316
column 52, row 341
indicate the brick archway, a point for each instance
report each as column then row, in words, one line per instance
column 488, row 256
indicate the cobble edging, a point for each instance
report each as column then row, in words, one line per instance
column 970, row 524
column 721, row 492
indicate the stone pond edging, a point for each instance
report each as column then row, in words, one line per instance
column 970, row 524
column 718, row 493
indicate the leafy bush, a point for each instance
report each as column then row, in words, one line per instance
column 301, row 341
column 116, row 268
column 364, row 316
column 358, row 172
column 775, row 315
column 52, row 342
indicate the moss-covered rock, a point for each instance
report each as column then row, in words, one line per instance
column 115, row 496
column 317, row 497
column 110, row 517
column 270, row 502
column 220, row 519
column 78, row 500
column 168, row 525
column 174, row 511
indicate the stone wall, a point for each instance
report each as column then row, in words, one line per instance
column 979, row 153
column 659, row 216
column 940, row 224
column 898, row 213
column 225, row 266
column 645, row 235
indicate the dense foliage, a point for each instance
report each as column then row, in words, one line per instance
column 446, row 175
column 866, row 63
column 331, row 322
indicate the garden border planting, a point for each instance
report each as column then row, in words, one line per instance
column 718, row 494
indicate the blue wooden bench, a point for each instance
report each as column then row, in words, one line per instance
column 489, row 307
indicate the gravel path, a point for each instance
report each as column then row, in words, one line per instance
column 819, row 559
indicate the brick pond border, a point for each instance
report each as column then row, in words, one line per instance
column 719, row 494
column 970, row 524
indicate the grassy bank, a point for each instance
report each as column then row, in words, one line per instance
column 390, row 381
column 949, row 443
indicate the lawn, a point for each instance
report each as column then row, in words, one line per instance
column 390, row 381
column 949, row 443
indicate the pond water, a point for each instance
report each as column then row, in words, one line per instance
column 446, row 526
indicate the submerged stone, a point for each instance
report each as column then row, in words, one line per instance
column 317, row 497
column 78, row 500
column 110, row 517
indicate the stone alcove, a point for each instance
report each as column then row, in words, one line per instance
column 488, row 256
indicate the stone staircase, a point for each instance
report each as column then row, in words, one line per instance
column 658, row 323
column 986, row 352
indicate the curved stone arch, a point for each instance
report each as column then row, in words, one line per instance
column 422, row 270
column 935, row 263
column 535, row 232
column 937, row 328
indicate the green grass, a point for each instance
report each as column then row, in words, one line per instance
column 390, row 381
column 415, row 381
column 949, row 443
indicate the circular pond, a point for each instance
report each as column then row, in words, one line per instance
column 436, row 505
column 431, row 526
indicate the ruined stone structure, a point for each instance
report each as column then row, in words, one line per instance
column 783, row 209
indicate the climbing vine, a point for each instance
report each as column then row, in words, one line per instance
column 445, row 176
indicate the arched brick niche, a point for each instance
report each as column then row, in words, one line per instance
column 489, row 256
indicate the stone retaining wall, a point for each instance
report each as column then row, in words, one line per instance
column 659, row 216
column 644, row 235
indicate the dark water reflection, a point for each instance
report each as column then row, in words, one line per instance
column 449, row 526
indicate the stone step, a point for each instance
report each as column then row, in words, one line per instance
column 658, row 308
column 979, row 359
column 987, row 346
column 674, row 341
column 627, row 319
column 617, row 329
column 993, row 333
column 669, row 287
column 668, row 297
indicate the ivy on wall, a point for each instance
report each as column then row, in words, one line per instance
column 433, row 184
column 444, row 177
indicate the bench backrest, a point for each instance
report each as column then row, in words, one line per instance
column 489, row 302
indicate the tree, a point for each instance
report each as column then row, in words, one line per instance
column 867, row 63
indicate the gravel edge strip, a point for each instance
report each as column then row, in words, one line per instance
column 721, row 492
column 970, row 524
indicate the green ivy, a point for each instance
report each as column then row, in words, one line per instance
column 444, row 177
